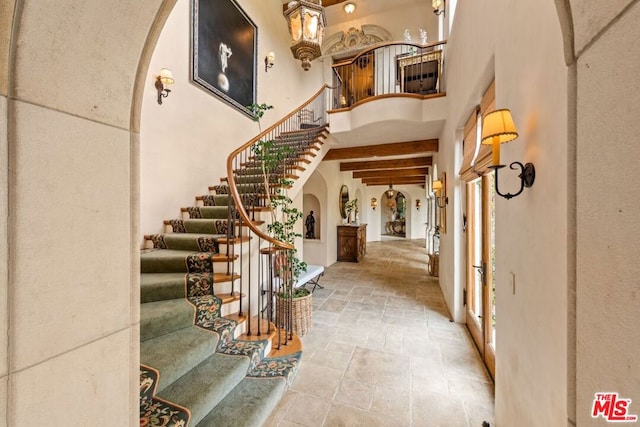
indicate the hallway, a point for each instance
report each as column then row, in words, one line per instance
column 382, row 351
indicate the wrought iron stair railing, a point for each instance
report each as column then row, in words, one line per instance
column 259, row 174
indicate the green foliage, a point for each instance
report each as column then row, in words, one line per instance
column 257, row 110
column 351, row 205
column 271, row 155
column 296, row 293
column 273, row 158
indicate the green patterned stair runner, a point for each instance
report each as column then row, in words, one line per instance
column 202, row 366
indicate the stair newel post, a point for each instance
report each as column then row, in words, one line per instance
column 249, row 289
column 260, row 290
column 241, row 258
column 279, row 315
column 290, row 294
column 232, row 255
column 270, row 289
column 230, row 216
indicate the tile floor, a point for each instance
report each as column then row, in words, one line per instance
column 382, row 351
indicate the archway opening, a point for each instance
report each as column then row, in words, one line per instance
column 393, row 218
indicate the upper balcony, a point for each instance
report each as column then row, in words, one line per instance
column 406, row 81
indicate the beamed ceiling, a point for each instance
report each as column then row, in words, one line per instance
column 411, row 168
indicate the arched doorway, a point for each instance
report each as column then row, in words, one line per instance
column 72, row 145
column 393, row 218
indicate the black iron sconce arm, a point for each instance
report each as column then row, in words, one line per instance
column 442, row 201
column 163, row 92
column 527, row 177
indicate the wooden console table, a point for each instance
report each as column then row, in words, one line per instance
column 352, row 242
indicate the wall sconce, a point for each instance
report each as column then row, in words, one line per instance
column 440, row 189
column 162, row 81
column 437, row 4
column 349, row 8
column 374, row 203
column 307, row 22
column 269, row 60
column 418, row 204
column 497, row 128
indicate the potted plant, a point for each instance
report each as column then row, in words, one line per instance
column 293, row 305
column 352, row 206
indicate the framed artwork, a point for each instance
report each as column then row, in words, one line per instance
column 223, row 52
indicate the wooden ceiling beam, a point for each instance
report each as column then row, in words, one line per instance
column 390, row 173
column 394, row 181
column 382, row 150
column 387, row 164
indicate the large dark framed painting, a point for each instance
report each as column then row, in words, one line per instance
column 224, row 46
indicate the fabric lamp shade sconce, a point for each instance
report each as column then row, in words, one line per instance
column 498, row 128
column 374, row 203
column 162, row 82
column 306, row 20
column 438, row 6
column 269, row 60
column 439, row 187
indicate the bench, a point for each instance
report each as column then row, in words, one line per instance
column 312, row 275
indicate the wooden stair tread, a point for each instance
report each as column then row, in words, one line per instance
column 224, row 277
column 269, row 251
column 225, row 179
column 296, row 159
column 237, row 317
column 229, row 298
column 234, row 240
column 294, row 345
column 168, row 221
column 267, row 331
column 320, row 129
column 296, row 167
column 257, row 222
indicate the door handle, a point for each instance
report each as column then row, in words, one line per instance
column 481, row 269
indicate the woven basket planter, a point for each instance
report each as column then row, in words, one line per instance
column 301, row 313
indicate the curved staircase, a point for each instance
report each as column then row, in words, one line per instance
column 210, row 352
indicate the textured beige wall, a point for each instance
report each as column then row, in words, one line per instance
column 4, row 259
column 591, row 17
column 87, row 386
column 504, row 39
column 608, row 295
column 71, row 199
column 6, row 17
column 4, row 401
column 72, row 295
column 83, row 58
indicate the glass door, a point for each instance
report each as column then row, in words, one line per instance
column 479, row 293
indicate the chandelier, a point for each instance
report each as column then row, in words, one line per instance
column 390, row 191
column 307, row 21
